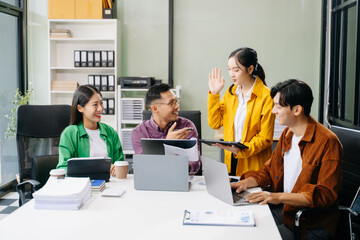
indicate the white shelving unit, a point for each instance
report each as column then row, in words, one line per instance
column 126, row 125
column 87, row 34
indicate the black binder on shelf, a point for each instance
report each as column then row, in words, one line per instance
column 111, row 106
column 97, row 82
column 104, row 58
column 76, row 58
column 104, row 82
column 105, row 104
column 111, row 83
column 83, row 58
column 91, row 80
column 111, row 58
column 90, row 58
column 97, row 58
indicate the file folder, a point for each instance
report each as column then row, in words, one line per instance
column 83, row 58
column 90, row 59
column 105, row 104
column 97, row 58
column 104, row 82
column 97, row 82
column 76, row 58
column 91, row 80
column 104, row 59
column 111, row 83
column 111, row 57
column 111, row 106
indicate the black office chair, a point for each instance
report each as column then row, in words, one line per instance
column 350, row 139
column 38, row 134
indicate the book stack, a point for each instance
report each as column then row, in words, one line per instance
column 97, row 186
column 63, row 194
column 64, row 85
column 60, row 33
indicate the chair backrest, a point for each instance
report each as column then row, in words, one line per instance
column 38, row 133
column 41, row 168
column 350, row 139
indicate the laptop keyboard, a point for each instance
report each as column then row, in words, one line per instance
column 239, row 200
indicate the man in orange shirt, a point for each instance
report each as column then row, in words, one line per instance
column 305, row 168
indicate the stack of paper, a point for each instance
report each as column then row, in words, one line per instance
column 63, row 194
column 192, row 153
column 97, row 186
column 60, row 33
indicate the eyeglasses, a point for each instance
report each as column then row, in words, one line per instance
column 172, row 103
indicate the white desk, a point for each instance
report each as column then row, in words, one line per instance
column 135, row 215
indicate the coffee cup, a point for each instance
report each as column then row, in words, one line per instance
column 59, row 173
column 121, row 169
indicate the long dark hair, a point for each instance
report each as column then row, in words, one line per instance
column 81, row 97
column 247, row 57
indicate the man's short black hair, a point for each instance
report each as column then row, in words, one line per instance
column 154, row 92
column 294, row 92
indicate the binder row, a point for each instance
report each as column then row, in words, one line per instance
column 109, row 106
column 94, row 58
column 104, row 83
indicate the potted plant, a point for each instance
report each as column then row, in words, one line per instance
column 20, row 99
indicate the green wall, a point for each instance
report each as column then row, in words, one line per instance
column 286, row 35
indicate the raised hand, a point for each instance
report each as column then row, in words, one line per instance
column 216, row 83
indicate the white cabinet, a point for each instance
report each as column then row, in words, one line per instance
column 130, row 105
column 87, row 35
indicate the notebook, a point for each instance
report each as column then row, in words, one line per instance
column 218, row 184
column 161, row 173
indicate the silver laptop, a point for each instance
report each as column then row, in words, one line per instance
column 161, row 173
column 218, row 184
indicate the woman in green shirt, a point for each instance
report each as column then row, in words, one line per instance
column 86, row 136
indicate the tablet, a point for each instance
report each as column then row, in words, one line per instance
column 96, row 168
column 156, row 145
column 226, row 143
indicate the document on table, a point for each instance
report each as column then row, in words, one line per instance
column 219, row 218
column 192, row 153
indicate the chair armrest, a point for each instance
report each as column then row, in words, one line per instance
column 304, row 210
column 20, row 188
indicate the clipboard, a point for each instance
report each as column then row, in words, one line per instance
column 219, row 218
column 226, row 143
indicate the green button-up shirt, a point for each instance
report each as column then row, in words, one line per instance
column 74, row 142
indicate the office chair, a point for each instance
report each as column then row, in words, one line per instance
column 353, row 210
column 38, row 134
column 350, row 139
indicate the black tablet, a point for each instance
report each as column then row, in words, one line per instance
column 226, row 143
column 96, row 168
column 156, row 145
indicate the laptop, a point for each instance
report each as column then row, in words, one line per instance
column 96, row 168
column 218, row 184
column 161, row 173
column 156, row 145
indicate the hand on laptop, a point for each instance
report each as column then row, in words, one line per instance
column 243, row 185
column 178, row 133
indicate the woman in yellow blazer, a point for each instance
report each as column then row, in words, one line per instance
column 244, row 112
